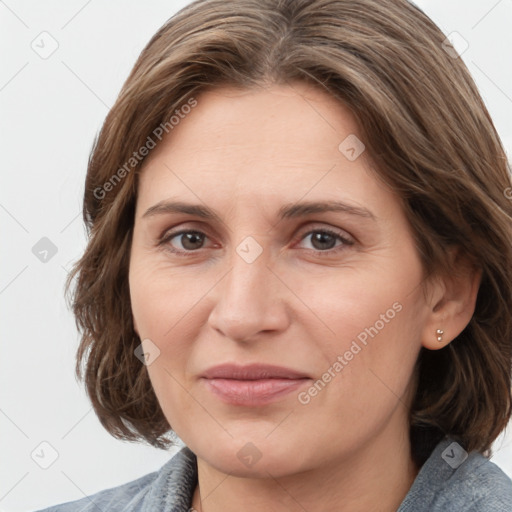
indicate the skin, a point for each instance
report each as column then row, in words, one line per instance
column 300, row 304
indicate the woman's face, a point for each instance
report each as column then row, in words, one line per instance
column 284, row 250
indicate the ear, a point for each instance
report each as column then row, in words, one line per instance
column 451, row 301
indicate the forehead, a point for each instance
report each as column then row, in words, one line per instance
column 280, row 142
column 281, row 116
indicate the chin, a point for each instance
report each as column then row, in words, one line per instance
column 252, row 458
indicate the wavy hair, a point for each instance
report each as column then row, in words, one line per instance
column 426, row 129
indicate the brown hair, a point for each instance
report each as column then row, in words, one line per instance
column 427, row 131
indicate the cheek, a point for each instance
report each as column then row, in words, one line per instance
column 377, row 301
column 165, row 303
column 366, row 365
column 163, row 298
column 367, row 326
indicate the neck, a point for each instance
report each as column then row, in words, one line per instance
column 375, row 477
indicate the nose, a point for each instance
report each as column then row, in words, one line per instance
column 249, row 300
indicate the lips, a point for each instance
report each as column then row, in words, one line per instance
column 252, row 385
column 252, row 372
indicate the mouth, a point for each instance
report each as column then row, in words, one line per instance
column 252, row 385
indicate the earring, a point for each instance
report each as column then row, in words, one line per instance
column 439, row 334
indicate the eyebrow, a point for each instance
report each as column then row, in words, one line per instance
column 292, row 210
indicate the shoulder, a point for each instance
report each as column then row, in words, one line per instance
column 486, row 487
column 115, row 498
column 175, row 480
column 452, row 479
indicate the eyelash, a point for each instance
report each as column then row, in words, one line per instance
column 167, row 237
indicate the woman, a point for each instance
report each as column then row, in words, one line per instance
column 300, row 262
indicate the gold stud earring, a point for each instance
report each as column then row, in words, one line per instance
column 439, row 334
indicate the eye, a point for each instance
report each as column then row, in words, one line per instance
column 190, row 240
column 324, row 240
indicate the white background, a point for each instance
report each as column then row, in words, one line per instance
column 51, row 110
